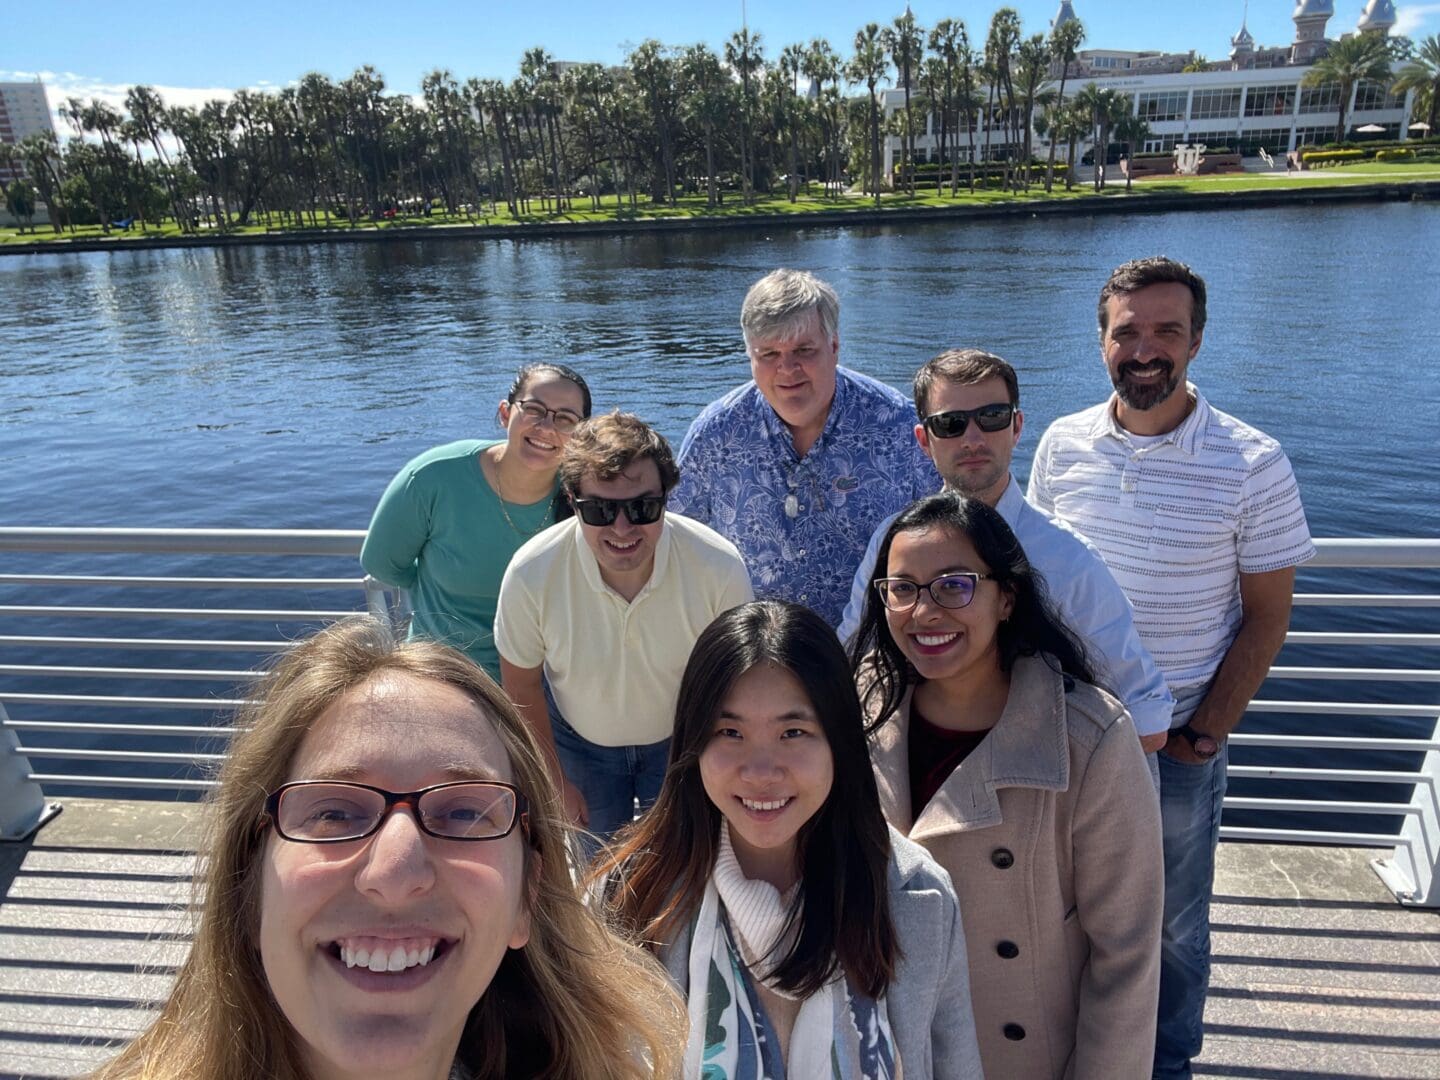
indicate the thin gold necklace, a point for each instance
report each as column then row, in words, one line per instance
column 500, row 490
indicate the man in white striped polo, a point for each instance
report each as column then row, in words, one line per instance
column 1199, row 518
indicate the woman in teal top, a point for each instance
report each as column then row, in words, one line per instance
column 449, row 522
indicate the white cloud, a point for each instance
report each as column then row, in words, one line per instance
column 63, row 85
column 1412, row 17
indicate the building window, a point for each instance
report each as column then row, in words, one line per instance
column 1163, row 105
column 1270, row 101
column 1219, row 104
column 1319, row 99
column 1161, row 144
column 1314, row 136
column 1373, row 97
column 1273, row 140
column 1213, row 140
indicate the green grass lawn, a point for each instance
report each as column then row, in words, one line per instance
column 693, row 206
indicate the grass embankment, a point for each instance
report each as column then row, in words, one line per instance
column 1367, row 172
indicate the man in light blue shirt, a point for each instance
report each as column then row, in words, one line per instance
column 968, row 402
column 798, row 466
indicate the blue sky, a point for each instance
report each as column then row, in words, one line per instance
column 191, row 49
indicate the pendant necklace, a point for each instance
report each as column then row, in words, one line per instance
column 500, row 490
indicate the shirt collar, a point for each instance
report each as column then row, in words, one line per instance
column 1012, row 502
column 1187, row 436
column 590, row 566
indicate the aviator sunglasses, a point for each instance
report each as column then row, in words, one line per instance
column 952, row 424
column 641, row 510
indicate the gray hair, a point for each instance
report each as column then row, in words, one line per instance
column 781, row 300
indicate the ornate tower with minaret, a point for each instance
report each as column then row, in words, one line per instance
column 1242, row 45
column 1064, row 15
column 1377, row 18
column 1310, row 18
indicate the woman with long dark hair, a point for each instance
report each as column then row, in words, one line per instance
column 994, row 749
column 448, row 524
column 805, row 934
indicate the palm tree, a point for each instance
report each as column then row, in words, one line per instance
column 1000, row 47
column 1032, row 65
column 868, row 66
column 1065, row 42
column 822, row 63
column 791, row 59
column 744, row 54
column 1130, row 129
column 1197, row 62
column 1422, row 74
column 945, row 44
column 905, row 43
column 1104, row 108
column 1362, row 58
column 708, row 104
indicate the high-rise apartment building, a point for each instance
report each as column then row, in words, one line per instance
column 24, row 110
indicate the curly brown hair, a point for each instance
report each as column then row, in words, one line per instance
column 606, row 446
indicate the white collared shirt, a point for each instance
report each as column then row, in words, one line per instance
column 1178, row 520
column 614, row 666
column 1083, row 594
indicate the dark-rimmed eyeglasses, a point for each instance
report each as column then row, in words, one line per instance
column 334, row 811
column 989, row 418
column 947, row 590
column 535, row 411
column 642, row 510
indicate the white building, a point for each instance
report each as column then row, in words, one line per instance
column 24, row 110
column 1240, row 106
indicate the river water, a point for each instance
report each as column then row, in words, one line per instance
column 283, row 386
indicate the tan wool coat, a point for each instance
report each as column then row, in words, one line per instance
column 1050, row 830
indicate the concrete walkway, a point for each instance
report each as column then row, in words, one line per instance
column 1318, row 972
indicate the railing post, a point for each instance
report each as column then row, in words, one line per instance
column 377, row 601
column 1412, row 870
column 23, row 808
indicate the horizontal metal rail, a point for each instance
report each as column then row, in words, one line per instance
column 181, row 582
column 1332, row 742
column 1329, row 776
column 1376, row 551
column 1405, row 600
column 210, row 614
column 186, row 541
column 107, row 701
column 1365, row 674
column 51, row 780
column 1320, row 637
column 1305, row 836
column 166, row 644
column 1344, row 708
column 81, row 754
column 1319, row 806
column 195, row 674
column 199, row 731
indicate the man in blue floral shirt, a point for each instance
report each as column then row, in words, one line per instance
column 798, row 466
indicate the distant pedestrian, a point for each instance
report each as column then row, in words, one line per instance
column 1199, row 517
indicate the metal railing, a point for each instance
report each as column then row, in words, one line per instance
column 173, row 734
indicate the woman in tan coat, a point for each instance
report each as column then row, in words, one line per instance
column 994, row 750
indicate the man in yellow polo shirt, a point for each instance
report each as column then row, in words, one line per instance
column 605, row 607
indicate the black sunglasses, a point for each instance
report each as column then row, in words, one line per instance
column 952, row 424
column 641, row 510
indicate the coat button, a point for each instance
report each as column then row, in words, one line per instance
column 1008, row 950
column 1014, row 1032
column 1002, row 858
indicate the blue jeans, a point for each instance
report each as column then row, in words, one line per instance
column 1190, row 800
column 612, row 779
